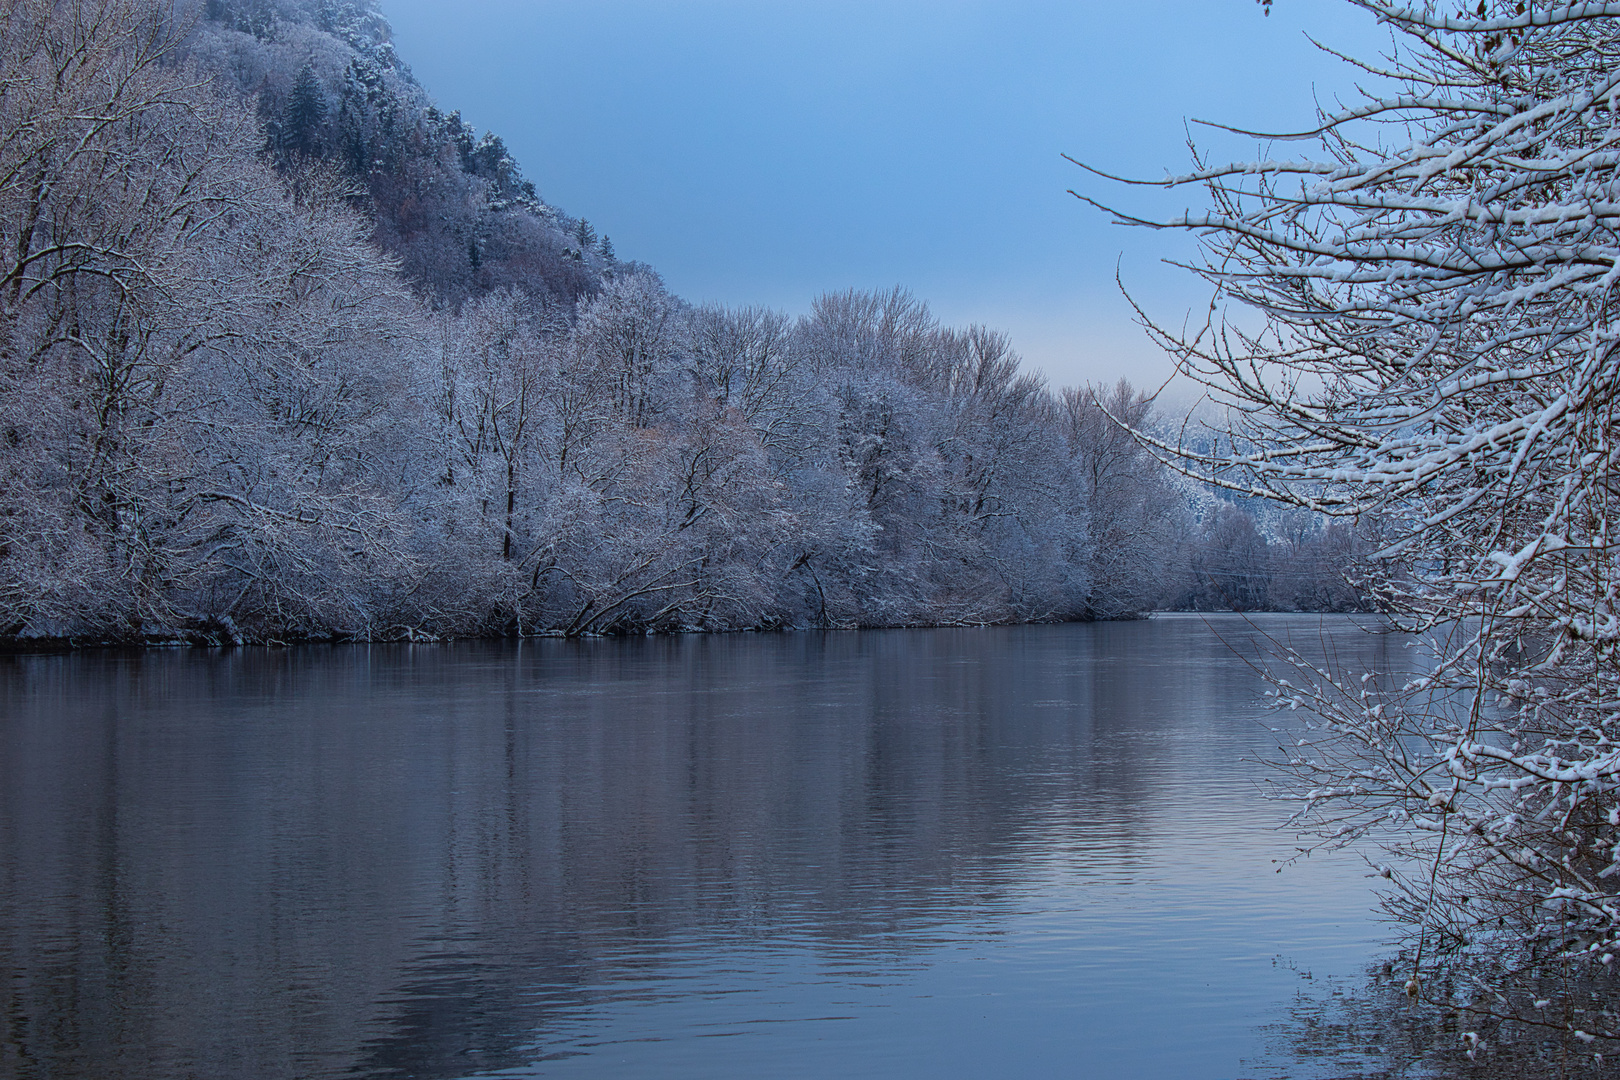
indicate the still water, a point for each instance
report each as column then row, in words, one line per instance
column 1018, row 852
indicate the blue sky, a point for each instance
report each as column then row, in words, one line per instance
column 765, row 151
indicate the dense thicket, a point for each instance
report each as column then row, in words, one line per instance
column 285, row 352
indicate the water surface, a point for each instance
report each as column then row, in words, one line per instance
column 1033, row 851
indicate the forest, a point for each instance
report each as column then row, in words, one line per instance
column 287, row 353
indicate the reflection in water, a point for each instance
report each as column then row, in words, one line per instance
column 1021, row 851
column 1368, row 1029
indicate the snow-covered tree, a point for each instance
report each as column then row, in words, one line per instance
column 1131, row 510
column 496, row 370
column 1437, row 356
column 190, row 359
column 629, row 334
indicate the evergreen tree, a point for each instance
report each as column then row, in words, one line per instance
column 306, row 114
column 460, row 135
column 254, row 17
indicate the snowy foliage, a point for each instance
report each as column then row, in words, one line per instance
column 1438, row 361
column 287, row 353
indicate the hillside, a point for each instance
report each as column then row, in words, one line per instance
column 287, row 353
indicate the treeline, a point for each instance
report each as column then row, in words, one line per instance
column 287, row 354
column 1252, row 558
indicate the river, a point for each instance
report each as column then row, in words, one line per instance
column 1027, row 852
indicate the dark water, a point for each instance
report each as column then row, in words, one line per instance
column 1015, row 852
